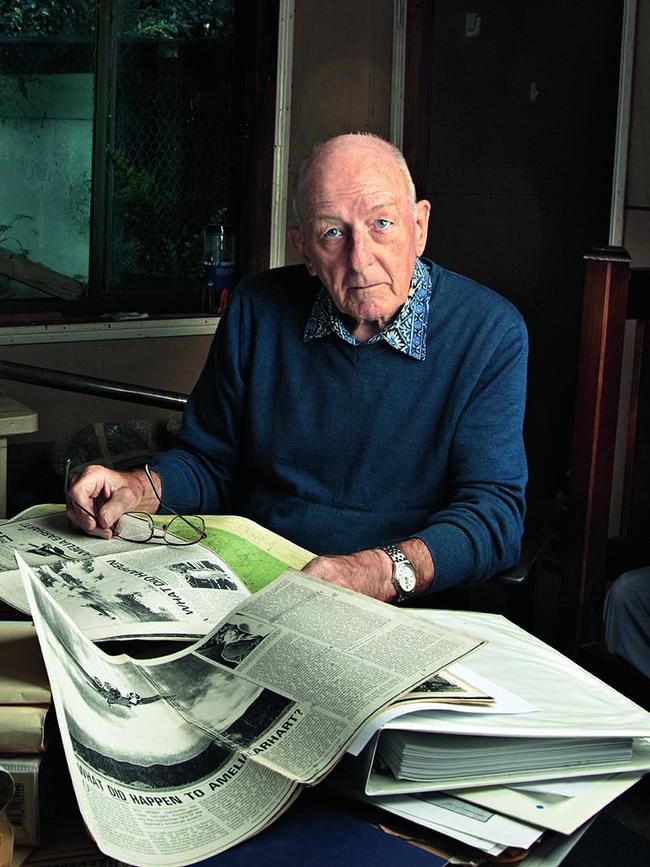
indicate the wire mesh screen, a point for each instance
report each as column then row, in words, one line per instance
column 170, row 156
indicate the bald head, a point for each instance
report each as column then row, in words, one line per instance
column 359, row 227
column 325, row 156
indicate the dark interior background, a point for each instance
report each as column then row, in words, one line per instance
column 518, row 169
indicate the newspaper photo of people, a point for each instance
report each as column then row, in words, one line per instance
column 138, row 591
column 205, row 574
column 111, row 710
column 234, row 640
column 80, row 584
column 47, row 538
column 235, row 711
column 153, row 787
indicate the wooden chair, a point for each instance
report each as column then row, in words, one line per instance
column 613, row 293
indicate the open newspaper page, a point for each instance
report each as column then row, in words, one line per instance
column 43, row 535
column 152, row 788
column 116, row 589
column 178, row 758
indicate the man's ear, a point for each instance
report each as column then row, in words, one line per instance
column 296, row 238
column 422, row 210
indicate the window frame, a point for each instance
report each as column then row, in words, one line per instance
column 252, row 136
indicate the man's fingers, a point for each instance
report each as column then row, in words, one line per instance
column 121, row 500
column 88, row 489
column 86, row 522
column 99, row 498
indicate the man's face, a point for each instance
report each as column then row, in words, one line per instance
column 361, row 232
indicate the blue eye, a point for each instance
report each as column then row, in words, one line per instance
column 382, row 223
column 332, row 233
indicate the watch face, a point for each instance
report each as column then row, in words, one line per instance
column 405, row 577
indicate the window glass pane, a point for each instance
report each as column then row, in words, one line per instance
column 46, row 128
column 169, row 141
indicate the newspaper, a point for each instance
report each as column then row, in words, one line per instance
column 115, row 589
column 178, row 758
column 448, row 687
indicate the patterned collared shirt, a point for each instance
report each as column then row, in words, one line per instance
column 407, row 332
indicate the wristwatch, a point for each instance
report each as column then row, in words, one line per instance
column 403, row 576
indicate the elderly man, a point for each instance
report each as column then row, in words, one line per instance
column 367, row 405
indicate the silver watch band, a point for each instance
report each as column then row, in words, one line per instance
column 395, row 554
column 398, row 556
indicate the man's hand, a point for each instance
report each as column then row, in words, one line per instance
column 370, row 572
column 99, row 497
column 367, row 572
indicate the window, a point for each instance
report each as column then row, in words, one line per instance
column 124, row 134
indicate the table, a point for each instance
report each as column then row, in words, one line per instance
column 14, row 419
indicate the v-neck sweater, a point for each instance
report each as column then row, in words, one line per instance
column 341, row 448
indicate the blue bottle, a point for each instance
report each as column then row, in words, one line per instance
column 218, row 266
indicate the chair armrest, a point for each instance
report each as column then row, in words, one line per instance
column 533, row 547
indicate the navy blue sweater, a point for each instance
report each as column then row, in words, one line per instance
column 341, row 448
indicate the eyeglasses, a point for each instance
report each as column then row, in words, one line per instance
column 140, row 527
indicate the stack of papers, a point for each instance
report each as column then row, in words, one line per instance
column 522, row 776
column 472, row 825
column 419, row 756
column 560, row 805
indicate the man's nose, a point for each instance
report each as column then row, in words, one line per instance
column 360, row 250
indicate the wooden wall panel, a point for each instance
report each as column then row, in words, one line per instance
column 342, row 66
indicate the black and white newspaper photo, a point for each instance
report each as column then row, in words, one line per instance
column 152, row 788
column 130, row 590
column 48, row 538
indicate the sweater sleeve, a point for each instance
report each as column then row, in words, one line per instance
column 197, row 475
column 478, row 533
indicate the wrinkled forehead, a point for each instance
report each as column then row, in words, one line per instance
column 345, row 173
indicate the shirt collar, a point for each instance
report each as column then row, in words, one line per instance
column 407, row 333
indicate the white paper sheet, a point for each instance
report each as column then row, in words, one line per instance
column 375, row 784
column 560, row 788
column 506, row 702
column 451, row 815
column 565, row 815
column 570, row 701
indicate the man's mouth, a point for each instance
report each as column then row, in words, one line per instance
column 359, row 287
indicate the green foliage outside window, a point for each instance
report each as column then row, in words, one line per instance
column 150, row 245
column 9, row 241
column 165, row 19
column 164, row 117
column 47, row 17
